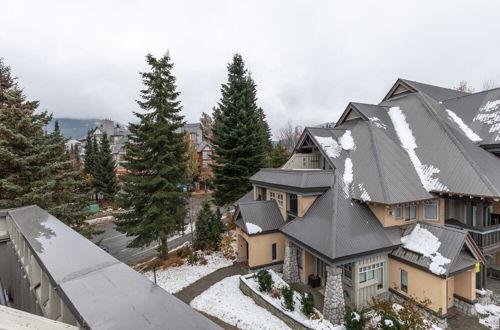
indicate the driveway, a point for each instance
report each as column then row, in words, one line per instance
column 116, row 242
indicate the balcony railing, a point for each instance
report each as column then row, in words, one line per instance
column 303, row 161
column 486, row 236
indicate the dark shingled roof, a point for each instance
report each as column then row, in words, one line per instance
column 90, row 280
column 264, row 214
column 312, row 180
column 452, row 244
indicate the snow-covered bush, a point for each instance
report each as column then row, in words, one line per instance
column 265, row 281
column 307, row 302
column 288, row 293
column 407, row 313
column 389, row 322
column 354, row 320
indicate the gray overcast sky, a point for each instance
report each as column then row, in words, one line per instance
column 308, row 58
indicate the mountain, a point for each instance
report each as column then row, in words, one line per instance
column 74, row 128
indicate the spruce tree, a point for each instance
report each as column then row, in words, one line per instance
column 34, row 165
column 209, row 227
column 265, row 131
column 89, row 154
column 104, row 172
column 278, row 157
column 156, row 162
column 237, row 138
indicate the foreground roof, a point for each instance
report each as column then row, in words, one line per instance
column 100, row 291
column 257, row 217
column 303, row 180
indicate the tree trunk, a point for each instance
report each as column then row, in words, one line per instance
column 163, row 249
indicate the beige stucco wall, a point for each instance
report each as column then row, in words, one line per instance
column 307, row 266
column 260, row 247
column 496, row 207
column 421, row 285
column 304, row 203
column 283, row 208
column 382, row 214
column 465, row 284
column 450, row 287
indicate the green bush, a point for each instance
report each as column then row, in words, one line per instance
column 354, row 320
column 287, row 293
column 193, row 258
column 265, row 280
column 307, row 302
column 389, row 322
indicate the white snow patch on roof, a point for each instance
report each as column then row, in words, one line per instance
column 490, row 114
column 377, row 122
column 422, row 241
column 348, row 176
column 331, row 147
column 364, row 194
column 253, row 229
column 405, row 135
column 463, row 126
column 346, row 141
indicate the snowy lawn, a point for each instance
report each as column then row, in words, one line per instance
column 296, row 314
column 174, row 279
column 225, row 301
column 489, row 315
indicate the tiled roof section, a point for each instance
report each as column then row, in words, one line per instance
column 452, row 241
column 248, row 197
column 436, row 92
column 202, row 145
column 338, row 228
column 264, row 214
column 314, row 180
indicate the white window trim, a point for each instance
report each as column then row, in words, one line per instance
column 400, row 212
column 279, row 199
column 432, row 202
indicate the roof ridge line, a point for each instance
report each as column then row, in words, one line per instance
column 470, row 94
column 455, row 141
column 377, row 162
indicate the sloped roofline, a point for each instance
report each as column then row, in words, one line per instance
column 350, row 107
column 305, row 133
column 399, row 82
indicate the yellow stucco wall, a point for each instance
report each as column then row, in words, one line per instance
column 260, row 247
column 387, row 220
column 465, row 284
column 307, row 266
column 304, row 203
column 283, row 207
column 421, row 285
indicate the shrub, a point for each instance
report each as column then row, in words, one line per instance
column 307, row 302
column 203, row 261
column 407, row 312
column 193, row 258
column 227, row 246
column 275, row 293
column 390, row 322
column 265, row 280
column 209, row 228
column 288, row 293
column 184, row 252
column 354, row 320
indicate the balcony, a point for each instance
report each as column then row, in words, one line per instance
column 486, row 237
column 303, row 161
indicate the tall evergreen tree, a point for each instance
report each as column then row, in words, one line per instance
column 89, row 154
column 278, row 157
column 104, row 172
column 265, row 131
column 237, row 138
column 156, row 162
column 34, row 167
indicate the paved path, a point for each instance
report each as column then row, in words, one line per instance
column 189, row 293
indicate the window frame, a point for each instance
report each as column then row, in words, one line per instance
column 279, row 199
column 403, row 287
column 369, row 273
column 274, row 251
column 435, row 203
column 272, row 196
column 400, row 208
column 408, row 211
column 347, row 269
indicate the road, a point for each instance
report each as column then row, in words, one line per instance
column 116, row 242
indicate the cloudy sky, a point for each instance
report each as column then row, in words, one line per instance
column 309, row 58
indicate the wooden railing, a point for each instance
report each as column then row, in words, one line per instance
column 303, row 161
column 486, row 236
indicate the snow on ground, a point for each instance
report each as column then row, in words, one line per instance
column 377, row 122
column 279, row 303
column 405, row 135
column 329, row 145
column 489, row 315
column 252, row 228
column 346, row 141
column 422, row 241
column 490, row 114
column 463, row 126
column 174, row 279
column 225, row 301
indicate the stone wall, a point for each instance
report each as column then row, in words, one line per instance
column 271, row 308
column 464, row 306
column 277, row 267
column 290, row 267
column 334, row 306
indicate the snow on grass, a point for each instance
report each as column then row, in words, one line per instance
column 490, row 114
column 405, row 135
column 331, row 147
column 346, row 141
column 364, row 194
column 463, row 126
column 253, row 229
column 174, row 279
column 225, row 301
column 489, row 315
column 377, row 122
column 296, row 314
column 422, row 241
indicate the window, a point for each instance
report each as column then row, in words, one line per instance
column 205, row 163
column 280, row 200
column 272, row 195
column 379, row 275
column 411, row 212
column 299, row 257
column 206, row 154
column 274, row 251
column 368, row 273
column 347, row 271
column 404, row 281
column 431, row 210
column 398, row 212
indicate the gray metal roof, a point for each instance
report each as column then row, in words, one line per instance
column 337, row 227
column 248, row 197
column 452, row 245
column 202, row 145
column 264, row 214
column 436, row 92
column 101, row 292
column 313, row 180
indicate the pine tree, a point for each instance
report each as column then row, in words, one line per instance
column 209, row 227
column 156, row 162
column 34, row 167
column 89, row 154
column 278, row 157
column 104, row 172
column 237, row 138
column 265, row 131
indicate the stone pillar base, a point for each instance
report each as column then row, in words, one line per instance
column 334, row 306
column 290, row 267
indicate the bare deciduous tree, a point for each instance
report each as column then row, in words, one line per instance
column 489, row 84
column 289, row 135
column 463, row 86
